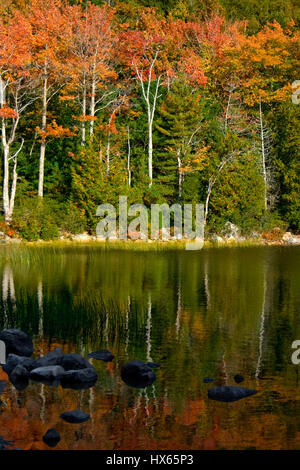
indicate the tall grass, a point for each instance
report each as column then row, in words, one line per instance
column 30, row 252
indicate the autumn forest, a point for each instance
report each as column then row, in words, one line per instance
column 176, row 101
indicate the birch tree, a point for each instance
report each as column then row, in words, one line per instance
column 16, row 94
column 50, row 33
column 90, row 62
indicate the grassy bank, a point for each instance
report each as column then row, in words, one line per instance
column 36, row 250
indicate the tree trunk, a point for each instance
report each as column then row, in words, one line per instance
column 92, row 107
column 150, row 152
column 43, row 144
column 263, row 154
column 13, row 190
column 128, row 157
column 179, row 175
column 83, row 128
column 108, row 155
column 207, row 202
column 5, row 181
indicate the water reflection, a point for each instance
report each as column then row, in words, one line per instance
column 212, row 313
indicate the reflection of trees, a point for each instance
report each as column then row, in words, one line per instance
column 8, row 292
column 262, row 329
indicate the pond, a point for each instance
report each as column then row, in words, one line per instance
column 212, row 313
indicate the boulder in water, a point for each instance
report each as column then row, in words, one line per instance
column 13, row 360
column 239, row 378
column 207, row 380
column 74, row 362
column 19, row 372
column 17, row 342
column 53, row 358
column 49, row 375
column 229, row 393
column 79, row 379
column 75, row 416
column 19, row 377
column 137, row 374
column 5, row 444
column 2, row 385
column 102, row 355
column 51, row 438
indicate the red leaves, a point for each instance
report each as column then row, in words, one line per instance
column 8, row 113
column 55, row 131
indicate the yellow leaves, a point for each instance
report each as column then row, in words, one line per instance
column 66, row 97
column 85, row 118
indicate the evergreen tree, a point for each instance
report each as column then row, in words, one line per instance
column 178, row 126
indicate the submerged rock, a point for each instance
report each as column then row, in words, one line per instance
column 79, row 379
column 13, row 360
column 207, row 380
column 74, row 362
column 17, row 342
column 137, row 374
column 5, row 444
column 19, row 377
column 239, row 378
column 75, row 416
column 229, row 393
column 2, row 385
column 19, row 372
column 52, row 437
column 102, row 355
column 49, row 375
column 153, row 365
column 53, row 358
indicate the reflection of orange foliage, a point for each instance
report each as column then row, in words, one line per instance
column 125, row 418
column 192, row 411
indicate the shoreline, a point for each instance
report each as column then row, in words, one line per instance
column 141, row 245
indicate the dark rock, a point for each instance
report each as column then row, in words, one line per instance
column 229, row 393
column 2, row 385
column 153, row 365
column 75, row 416
column 19, row 373
column 137, row 374
column 19, row 377
column 17, row 342
column 102, row 355
column 207, row 380
column 13, row 360
column 79, row 379
column 5, row 444
column 74, row 362
column 53, row 358
column 239, row 378
column 51, row 438
column 49, row 375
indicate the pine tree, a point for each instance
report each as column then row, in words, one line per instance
column 178, row 127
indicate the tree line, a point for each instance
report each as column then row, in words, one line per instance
column 160, row 101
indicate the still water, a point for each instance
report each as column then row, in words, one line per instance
column 216, row 313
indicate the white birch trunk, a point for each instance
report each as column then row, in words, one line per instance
column 263, row 155
column 83, row 126
column 43, row 143
column 92, row 106
column 179, row 175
